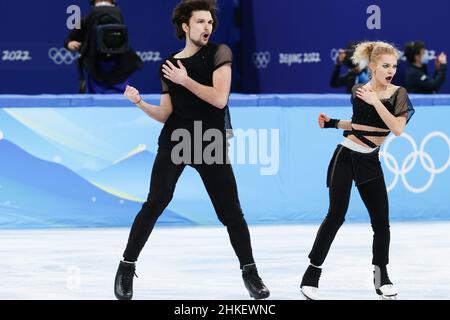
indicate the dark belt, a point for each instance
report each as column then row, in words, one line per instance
column 360, row 134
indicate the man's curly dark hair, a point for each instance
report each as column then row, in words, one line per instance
column 183, row 12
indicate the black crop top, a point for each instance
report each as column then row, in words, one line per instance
column 187, row 107
column 398, row 105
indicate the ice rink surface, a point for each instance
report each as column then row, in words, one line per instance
column 199, row 263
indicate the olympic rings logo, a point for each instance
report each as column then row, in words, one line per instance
column 410, row 161
column 62, row 55
column 334, row 54
column 261, row 59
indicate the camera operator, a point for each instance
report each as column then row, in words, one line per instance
column 106, row 61
column 355, row 74
column 417, row 79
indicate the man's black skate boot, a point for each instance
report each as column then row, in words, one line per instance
column 253, row 282
column 310, row 282
column 383, row 285
column 123, row 284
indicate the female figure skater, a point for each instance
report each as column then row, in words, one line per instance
column 195, row 88
column 378, row 108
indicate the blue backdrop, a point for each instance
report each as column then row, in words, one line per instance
column 70, row 161
column 307, row 33
column 280, row 46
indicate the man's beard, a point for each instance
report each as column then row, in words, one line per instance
column 198, row 43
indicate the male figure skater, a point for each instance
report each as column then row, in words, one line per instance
column 195, row 88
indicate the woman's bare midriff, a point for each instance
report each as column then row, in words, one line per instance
column 377, row 140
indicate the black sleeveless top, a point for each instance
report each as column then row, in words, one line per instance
column 398, row 104
column 187, row 107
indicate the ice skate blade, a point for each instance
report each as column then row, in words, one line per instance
column 306, row 297
column 258, row 298
column 385, row 297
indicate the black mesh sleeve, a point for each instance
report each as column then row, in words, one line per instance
column 223, row 56
column 353, row 96
column 164, row 87
column 403, row 106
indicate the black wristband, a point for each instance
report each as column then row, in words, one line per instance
column 333, row 123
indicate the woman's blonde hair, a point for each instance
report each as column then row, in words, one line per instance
column 372, row 50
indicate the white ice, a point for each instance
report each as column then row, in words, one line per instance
column 199, row 263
